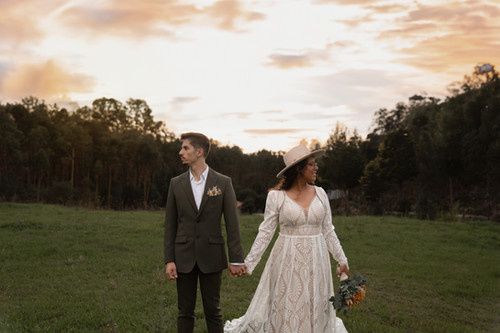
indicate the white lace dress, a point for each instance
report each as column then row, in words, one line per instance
column 296, row 284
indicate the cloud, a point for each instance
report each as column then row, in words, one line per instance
column 177, row 104
column 420, row 29
column 272, row 112
column 275, row 131
column 363, row 91
column 454, row 11
column 299, row 59
column 343, row 44
column 451, row 51
column 347, row 2
column 371, row 11
column 357, row 21
column 128, row 18
column 47, row 80
column 443, row 37
column 286, row 61
column 3, row 69
column 226, row 13
column 20, row 20
column 387, row 8
column 183, row 100
column 239, row 115
column 319, row 115
column 17, row 30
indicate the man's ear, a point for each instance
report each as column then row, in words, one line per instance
column 200, row 152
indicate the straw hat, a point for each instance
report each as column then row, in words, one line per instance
column 297, row 154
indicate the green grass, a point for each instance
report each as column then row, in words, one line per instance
column 71, row 269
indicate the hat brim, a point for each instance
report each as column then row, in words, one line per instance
column 315, row 154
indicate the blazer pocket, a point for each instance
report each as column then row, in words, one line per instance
column 181, row 239
column 215, row 240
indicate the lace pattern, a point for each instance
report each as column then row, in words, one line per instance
column 293, row 292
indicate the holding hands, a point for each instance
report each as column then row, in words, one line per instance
column 237, row 270
column 234, row 270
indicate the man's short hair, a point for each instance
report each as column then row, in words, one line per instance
column 198, row 140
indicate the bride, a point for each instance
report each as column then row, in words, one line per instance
column 296, row 284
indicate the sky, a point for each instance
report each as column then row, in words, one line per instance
column 263, row 74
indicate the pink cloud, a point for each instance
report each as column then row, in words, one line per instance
column 20, row 20
column 44, row 80
column 448, row 36
column 226, row 13
column 128, row 18
column 303, row 58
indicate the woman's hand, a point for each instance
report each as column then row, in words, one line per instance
column 342, row 268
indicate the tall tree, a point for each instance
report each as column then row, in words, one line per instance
column 343, row 163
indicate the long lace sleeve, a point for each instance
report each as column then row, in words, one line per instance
column 332, row 241
column 266, row 231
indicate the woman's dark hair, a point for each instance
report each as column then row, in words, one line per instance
column 198, row 140
column 286, row 181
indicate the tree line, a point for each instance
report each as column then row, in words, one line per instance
column 109, row 154
column 423, row 157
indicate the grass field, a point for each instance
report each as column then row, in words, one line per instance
column 71, row 269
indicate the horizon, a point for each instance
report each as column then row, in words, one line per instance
column 250, row 74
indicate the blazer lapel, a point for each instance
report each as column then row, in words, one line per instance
column 211, row 180
column 189, row 191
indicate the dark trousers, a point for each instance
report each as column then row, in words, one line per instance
column 187, row 285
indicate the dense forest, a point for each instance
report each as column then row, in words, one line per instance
column 426, row 156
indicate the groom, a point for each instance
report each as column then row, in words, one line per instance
column 194, row 245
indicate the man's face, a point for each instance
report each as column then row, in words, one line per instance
column 188, row 153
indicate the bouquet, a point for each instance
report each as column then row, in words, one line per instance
column 351, row 292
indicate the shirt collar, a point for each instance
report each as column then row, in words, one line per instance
column 203, row 175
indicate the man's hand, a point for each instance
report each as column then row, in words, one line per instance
column 237, row 270
column 171, row 270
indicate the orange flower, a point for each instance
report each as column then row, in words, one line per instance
column 351, row 292
column 358, row 296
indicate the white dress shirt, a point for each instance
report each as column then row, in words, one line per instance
column 198, row 186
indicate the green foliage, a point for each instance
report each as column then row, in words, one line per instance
column 111, row 154
column 426, row 205
column 346, row 292
column 249, row 198
column 373, row 186
column 61, row 192
column 433, row 156
column 343, row 162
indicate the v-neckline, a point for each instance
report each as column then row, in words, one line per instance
column 306, row 210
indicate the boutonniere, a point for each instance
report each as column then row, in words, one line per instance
column 214, row 191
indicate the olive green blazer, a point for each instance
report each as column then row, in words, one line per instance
column 195, row 235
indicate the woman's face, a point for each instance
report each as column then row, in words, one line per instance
column 310, row 171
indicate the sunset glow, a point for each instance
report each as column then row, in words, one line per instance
column 257, row 74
